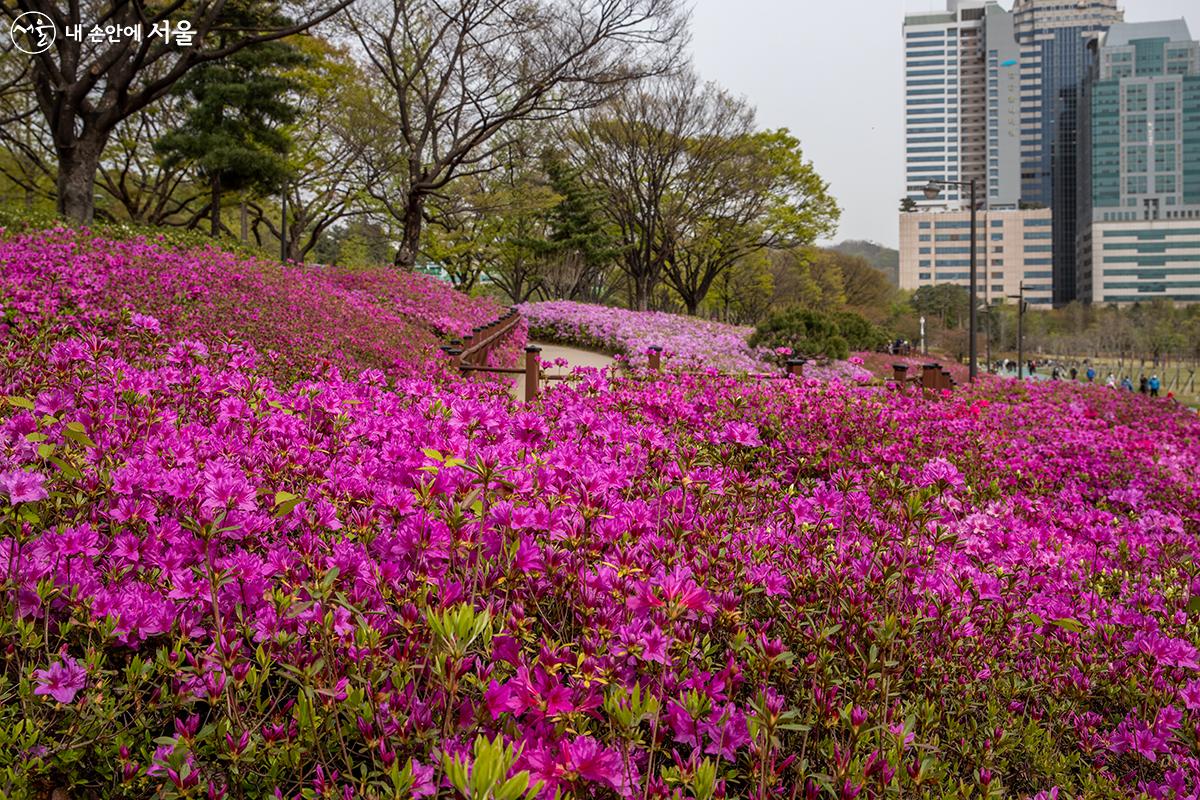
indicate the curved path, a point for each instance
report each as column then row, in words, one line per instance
column 574, row 356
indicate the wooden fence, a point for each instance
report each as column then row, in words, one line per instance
column 471, row 354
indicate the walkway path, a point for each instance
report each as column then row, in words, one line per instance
column 574, row 357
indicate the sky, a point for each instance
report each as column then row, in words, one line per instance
column 831, row 72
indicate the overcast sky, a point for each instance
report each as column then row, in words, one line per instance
column 830, row 70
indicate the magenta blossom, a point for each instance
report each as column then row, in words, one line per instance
column 62, row 680
column 22, row 486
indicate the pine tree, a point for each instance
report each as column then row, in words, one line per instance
column 238, row 109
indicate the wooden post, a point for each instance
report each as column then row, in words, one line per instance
column 929, row 378
column 532, row 370
column 947, row 383
column 900, row 375
column 655, row 358
column 795, row 367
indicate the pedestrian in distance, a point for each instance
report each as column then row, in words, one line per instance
column 1154, row 386
column 1091, row 375
column 1127, row 383
column 1111, row 382
column 1074, row 374
column 1143, row 385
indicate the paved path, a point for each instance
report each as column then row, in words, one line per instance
column 574, row 357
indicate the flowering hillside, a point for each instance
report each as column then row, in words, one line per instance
column 666, row 586
column 299, row 317
column 691, row 340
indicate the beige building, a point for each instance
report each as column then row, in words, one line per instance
column 1013, row 247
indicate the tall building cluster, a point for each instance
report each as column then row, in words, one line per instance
column 1082, row 135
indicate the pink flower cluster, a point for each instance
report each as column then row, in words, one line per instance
column 693, row 341
column 218, row 582
column 299, row 318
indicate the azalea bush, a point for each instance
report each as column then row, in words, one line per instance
column 218, row 582
column 686, row 341
column 299, row 318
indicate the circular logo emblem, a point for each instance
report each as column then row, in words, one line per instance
column 33, row 32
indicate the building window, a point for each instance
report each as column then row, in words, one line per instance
column 1164, row 158
column 1135, row 97
column 1135, row 184
column 1136, row 128
column 1164, row 97
column 1135, row 159
column 1165, row 184
column 1164, row 126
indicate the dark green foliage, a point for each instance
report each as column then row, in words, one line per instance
column 808, row 334
column 947, row 302
column 238, row 107
column 859, row 333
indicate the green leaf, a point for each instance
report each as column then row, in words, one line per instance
column 75, row 432
column 285, row 502
column 431, row 453
column 20, row 402
column 67, row 470
column 1069, row 624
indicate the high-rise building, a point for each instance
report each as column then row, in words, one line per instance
column 1054, row 38
column 945, row 108
column 993, row 95
column 1140, row 167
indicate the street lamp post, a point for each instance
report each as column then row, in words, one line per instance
column 924, row 349
column 932, row 190
column 1020, row 298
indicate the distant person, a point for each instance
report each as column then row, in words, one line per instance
column 1091, row 375
column 1127, row 384
column 1054, row 374
column 1074, row 374
column 1111, row 382
column 1154, row 386
column 1143, row 385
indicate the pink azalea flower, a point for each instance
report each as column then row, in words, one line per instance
column 62, row 680
column 22, row 486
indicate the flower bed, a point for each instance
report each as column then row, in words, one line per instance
column 300, row 318
column 216, row 584
column 696, row 342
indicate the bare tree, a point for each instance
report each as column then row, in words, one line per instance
column 148, row 188
column 459, row 73
column 23, row 136
column 636, row 151
column 85, row 89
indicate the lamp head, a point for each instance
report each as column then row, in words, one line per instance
column 932, row 190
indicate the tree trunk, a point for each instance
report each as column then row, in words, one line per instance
column 641, row 293
column 216, row 205
column 245, row 222
column 77, row 165
column 406, row 255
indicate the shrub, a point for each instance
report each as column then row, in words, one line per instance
column 859, row 332
column 805, row 332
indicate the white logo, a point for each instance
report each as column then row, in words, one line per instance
column 33, row 32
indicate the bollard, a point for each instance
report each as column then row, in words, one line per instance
column 930, row 377
column 655, row 358
column 532, row 369
column 900, row 375
column 455, row 356
column 795, row 367
column 946, row 382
